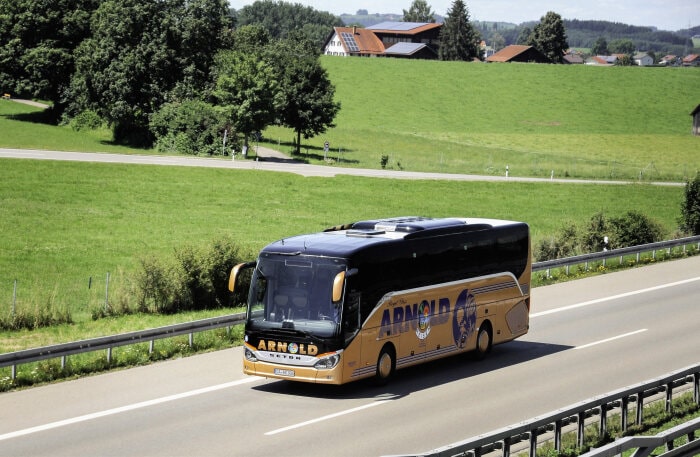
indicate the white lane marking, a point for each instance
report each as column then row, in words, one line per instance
column 614, row 297
column 123, row 409
column 610, row 339
column 330, row 416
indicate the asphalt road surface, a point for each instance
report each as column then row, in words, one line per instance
column 271, row 160
column 587, row 337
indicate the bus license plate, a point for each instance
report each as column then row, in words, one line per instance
column 282, row 372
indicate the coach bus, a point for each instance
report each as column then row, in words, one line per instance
column 365, row 299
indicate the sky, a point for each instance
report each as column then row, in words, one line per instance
column 665, row 15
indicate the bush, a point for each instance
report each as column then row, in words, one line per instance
column 632, row 229
column 195, row 279
column 189, row 127
column 690, row 209
column 88, row 119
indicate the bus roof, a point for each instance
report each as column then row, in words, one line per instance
column 345, row 240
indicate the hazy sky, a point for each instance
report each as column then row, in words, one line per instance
column 666, row 15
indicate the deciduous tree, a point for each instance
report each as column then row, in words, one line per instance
column 419, row 12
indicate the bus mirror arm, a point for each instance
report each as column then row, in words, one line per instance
column 339, row 283
column 235, row 271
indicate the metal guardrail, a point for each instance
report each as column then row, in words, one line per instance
column 503, row 439
column 619, row 253
column 109, row 342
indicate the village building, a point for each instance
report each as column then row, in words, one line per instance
column 643, row 59
column 696, row 120
column 414, row 40
column 518, row 53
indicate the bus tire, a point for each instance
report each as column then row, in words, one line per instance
column 386, row 365
column 484, row 340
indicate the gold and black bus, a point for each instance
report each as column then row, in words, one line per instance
column 362, row 300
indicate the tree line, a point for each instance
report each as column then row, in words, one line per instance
column 177, row 74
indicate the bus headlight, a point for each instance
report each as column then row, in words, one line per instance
column 327, row 362
column 250, row 356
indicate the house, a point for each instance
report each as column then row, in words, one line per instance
column 353, row 41
column 416, row 40
column 573, row 58
column 670, row 59
column 518, row 53
column 696, row 120
column 692, row 60
column 643, row 59
column 602, row 61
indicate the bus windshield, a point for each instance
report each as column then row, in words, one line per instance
column 295, row 293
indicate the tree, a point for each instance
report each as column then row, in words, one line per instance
column 247, row 90
column 308, row 106
column 600, row 47
column 280, row 18
column 37, row 40
column 549, row 37
column 139, row 52
column 524, row 36
column 419, row 12
column 459, row 40
column 690, row 208
column 622, row 46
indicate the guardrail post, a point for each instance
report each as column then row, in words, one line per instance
column 533, row 442
column 557, row 435
column 624, row 410
column 13, row 372
column 669, row 397
column 506, row 446
column 109, row 356
column 580, row 428
column 640, row 407
column 696, row 388
column 603, row 429
column 150, row 347
column 191, row 339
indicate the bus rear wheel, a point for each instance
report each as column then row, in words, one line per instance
column 483, row 342
column 386, row 365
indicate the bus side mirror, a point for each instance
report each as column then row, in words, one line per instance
column 235, row 272
column 338, row 283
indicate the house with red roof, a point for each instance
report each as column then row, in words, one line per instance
column 413, row 40
column 519, row 53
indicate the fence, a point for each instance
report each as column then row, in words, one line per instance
column 554, row 422
column 109, row 342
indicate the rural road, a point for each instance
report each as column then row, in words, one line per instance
column 271, row 160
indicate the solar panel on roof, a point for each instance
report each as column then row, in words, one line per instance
column 350, row 42
column 397, row 26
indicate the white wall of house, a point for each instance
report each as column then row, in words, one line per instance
column 335, row 47
column 643, row 60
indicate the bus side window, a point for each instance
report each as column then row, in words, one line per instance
column 351, row 315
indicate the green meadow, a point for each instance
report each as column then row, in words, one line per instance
column 66, row 225
column 577, row 121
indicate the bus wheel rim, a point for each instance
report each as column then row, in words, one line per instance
column 385, row 366
column 483, row 343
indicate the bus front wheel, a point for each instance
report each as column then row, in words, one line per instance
column 386, row 365
column 483, row 342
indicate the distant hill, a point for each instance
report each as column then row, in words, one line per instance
column 580, row 34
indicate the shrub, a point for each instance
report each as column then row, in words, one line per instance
column 195, row 279
column 188, row 127
column 86, row 120
column 690, row 208
column 633, row 229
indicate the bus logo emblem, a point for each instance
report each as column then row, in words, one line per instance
column 293, row 348
column 423, row 329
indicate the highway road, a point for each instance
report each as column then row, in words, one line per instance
column 587, row 337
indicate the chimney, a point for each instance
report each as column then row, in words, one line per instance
column 354, row 30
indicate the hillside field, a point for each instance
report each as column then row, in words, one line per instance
column 575, row 120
